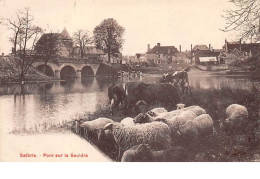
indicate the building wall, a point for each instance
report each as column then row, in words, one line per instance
column 159, row 58
column 151, row 56
column 65, row 52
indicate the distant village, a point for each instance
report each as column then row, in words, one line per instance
column 201, row 55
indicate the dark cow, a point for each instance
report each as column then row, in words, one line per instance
column 165, row 94
column 140, row 107
column 116, row 95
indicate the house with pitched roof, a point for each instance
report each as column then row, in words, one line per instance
column 64, row 43
column 201, row 48
column 202, row 54
column 66, row 48
column 161, row 54
column 245, row 50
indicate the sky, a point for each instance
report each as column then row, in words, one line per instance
column 169, row 22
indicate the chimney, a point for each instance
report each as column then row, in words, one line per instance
column 209, row 46
column 158, row 44
column 3, row 54
column 226, row 45
column 180, row 48
column 244, row 42
column 191, row 47
column 148, row 48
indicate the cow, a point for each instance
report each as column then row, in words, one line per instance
column 177, row 78
column 116, row 95
column 165, row 94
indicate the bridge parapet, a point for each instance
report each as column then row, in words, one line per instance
column 61, row 60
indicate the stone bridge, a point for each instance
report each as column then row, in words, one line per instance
column 68, row 67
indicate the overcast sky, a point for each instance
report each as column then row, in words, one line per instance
column 170, row 22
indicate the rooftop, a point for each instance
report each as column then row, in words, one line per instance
column 163, row 49
column 200, row 47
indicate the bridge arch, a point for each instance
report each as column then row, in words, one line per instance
column 49, row 70
column 87, row 71
column 68, row 71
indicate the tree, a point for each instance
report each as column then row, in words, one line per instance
column 81, row 39
column 244, row 18
column 47, row 47
column 16, row 26
column 26, row 40
column 108, row 37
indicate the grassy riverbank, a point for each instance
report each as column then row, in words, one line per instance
column 10, row 72
column 243, row 146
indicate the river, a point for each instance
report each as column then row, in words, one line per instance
column 33, row 109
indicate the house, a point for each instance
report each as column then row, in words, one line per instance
column 181, row 57
column 206, row 57
column 161, row 54
column 64, row 44
column 65, row 47
column 141, row 57
column 245, row 50
column 202, row 54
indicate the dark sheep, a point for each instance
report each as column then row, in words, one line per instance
column 143, row 153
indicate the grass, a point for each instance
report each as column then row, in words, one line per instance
column 221, row 147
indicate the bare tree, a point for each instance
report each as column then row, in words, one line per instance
column 16, row 26
column 108, row 37
column 26, row 39
column 244, row 18
column 81, row 39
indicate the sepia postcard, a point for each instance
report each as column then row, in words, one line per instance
column 130, row 81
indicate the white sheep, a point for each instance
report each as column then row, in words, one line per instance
column 175, row 122
column 237, row 118
column 90, row 128
column 198, row 127
column 128, row 121
column 106, row 139
column 156, row 111
column 146, row 117
column 156, row 134
column 180, row 106
column 236, row 111
column 196, row 109
column 204, row 124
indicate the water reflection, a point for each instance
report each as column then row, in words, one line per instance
column 219, row 82
column 39, row 106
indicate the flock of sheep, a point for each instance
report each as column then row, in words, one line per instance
column 159, row 135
